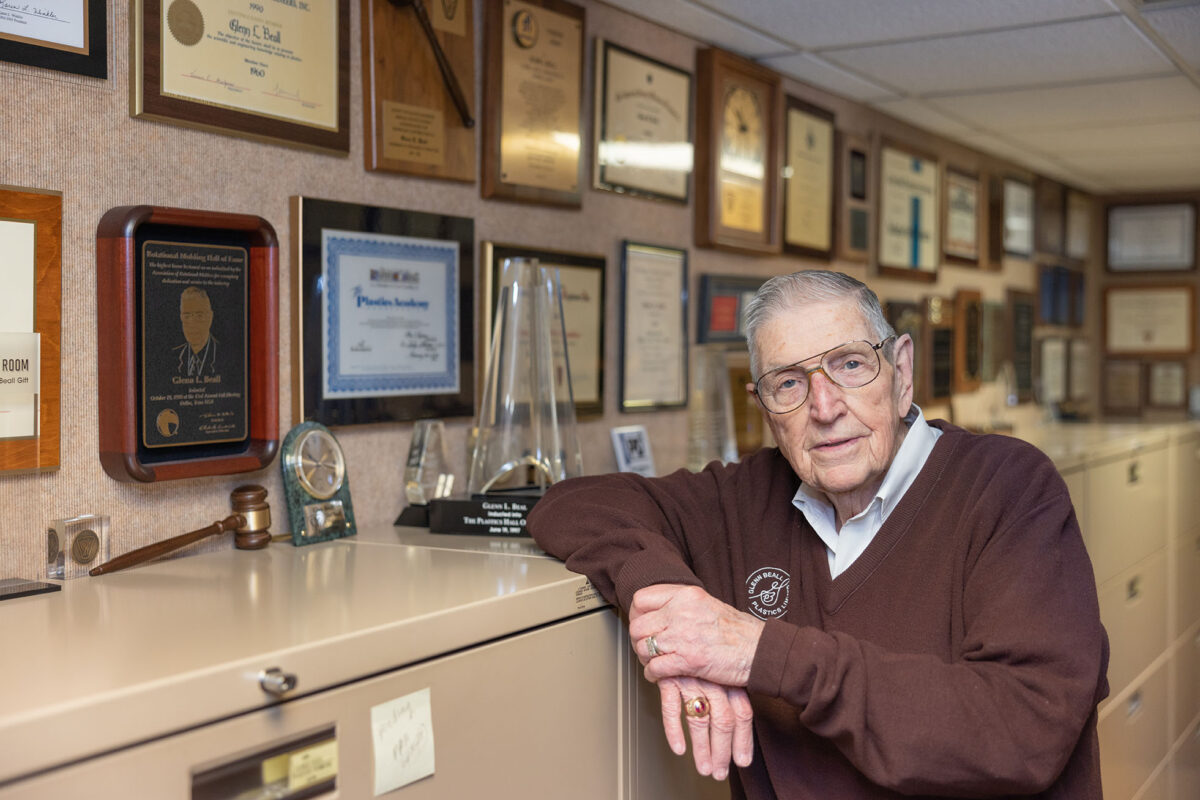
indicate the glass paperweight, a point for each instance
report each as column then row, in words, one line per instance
column 75, row 545
column 427, row 474
column 710, row 411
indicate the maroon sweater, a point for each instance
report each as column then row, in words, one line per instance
column 961, row 655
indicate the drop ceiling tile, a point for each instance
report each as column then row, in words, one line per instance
column 812, row 24
column 703, row 24
column 1117, row 162
column 1181, row 28
column 1092, row 49
column 1114, row 138
column 1098, row 105
column 813, row 70
column 921, row 114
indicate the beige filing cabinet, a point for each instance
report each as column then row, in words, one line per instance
column 131, row 684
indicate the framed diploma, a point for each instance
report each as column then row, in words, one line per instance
column 643, row 125
column 1079, row 226
column 68, row 35
column 417, row 117
column 582, row 279
column 808, row 180
column 908, row 214
column 738, row 118
column 855, row 200
column 1016, row 205
column 1152, row 238
column 905, row 317
column 723, row 301
column 1079, row 360
column 533, row 101
column 273, row 71
column 1019, row 324
column 960, row 242
column 1149, row 321
column 968, row 345
column 1050, row 224
column 654, row 355
column 383, row 319
column 30, row 328
column 1121, row 387
column 187, row 321
column 1166, row 384
column 1053, row 370
column 939, row 352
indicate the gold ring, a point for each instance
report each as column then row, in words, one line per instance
column 652, row 647
column 696, row 707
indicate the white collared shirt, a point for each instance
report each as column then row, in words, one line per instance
column 846, row 545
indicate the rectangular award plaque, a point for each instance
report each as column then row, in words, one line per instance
column 723, row 300
column 188, row 343
column 939, row 343
column 66, row 35
column 968, row 345
column 855, row 200
column 1021, row 314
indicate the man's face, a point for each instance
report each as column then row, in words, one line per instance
column 196, row 315
column 840, row 441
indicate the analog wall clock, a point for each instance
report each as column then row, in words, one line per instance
column 737, row 153
column 316, row 485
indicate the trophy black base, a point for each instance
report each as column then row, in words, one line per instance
column 497, row 514
column 414, row 517
column 12, row 588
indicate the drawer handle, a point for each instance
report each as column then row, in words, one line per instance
column 1134, row 589
column 276, row 682
column 1133, row 472
column 1134, row 705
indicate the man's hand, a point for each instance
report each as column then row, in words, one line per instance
column 694, row 634
column 724, row 733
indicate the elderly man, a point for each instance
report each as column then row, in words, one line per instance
column 879, row 607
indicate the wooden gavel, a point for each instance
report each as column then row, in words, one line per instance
column 250, row 522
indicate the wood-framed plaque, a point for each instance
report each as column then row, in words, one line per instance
column 383, row 319
column 808, row 180
column 533, row 101
column 1053, row 370
column 1017, row 218
column 909, row 207
column 1149, row 320
column 1054, row 296
column 1121, row 387
column 855, row 230
column 1166, row 385
column 30, row 328
column 582, row 277
column 722, row 312
column 1050, row 223
column 738, row 120
column 654, row 351
column 992, row 337
column 1079, row 359
column 412, row 121
column 187, row 319
column 1079, row 225
column 963, row 226
column 939, row 348
column 1151, row 237
column 273, row 71
column 1019, row 325
column 68, row 36
column 968, row 344
column 643, row 126
column 909, row 318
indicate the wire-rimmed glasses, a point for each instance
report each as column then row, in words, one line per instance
column 851, row 366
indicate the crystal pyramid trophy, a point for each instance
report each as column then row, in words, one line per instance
column 427, row 472
column 527, row 437
column 710, row 411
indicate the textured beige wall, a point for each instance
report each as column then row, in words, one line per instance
column 75, row 135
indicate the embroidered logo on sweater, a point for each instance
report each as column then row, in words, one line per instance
column 767, row 592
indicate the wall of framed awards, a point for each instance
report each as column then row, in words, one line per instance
column 551, row 127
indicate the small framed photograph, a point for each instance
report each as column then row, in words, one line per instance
column 1166, row 385
column 723, row 301
column 631, row 444
column 1121, row 387
column 654, row 352
column 1149, row 321
column 1159, row 237
column 64, row 35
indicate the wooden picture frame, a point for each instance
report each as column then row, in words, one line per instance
column 383, row 314
column 962, row 216
column 1149, row 320
column 84, row 54
column 940, row 336
column 283, row 100
column 416, row 120
column 968, row 343
column 856, row 198
column 1122, row 387
column 545, row 37
column 584, row 313
column 1019, row 322
column 809, row 180
column 227, row 407
column 909, row 318
column 993, row 337
column 1053, row 370
column 654, row 345
column 1010, row 220
column 723, row 299
column 1050, row 216
column 1079, row 225
column 908, row 238
column 37, row 215
column 1054, row 300
column 737, row 164
column 1167, row 385
column 1151, row 237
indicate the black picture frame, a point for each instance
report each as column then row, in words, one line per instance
column 90, row 60
column 722, row 310
column 629, row 405
column 310, row 218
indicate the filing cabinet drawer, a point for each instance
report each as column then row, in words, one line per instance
column 1187, row 582
column 1185, row 684
column 1185, row 768
column 1133, row 608
column 1186, row 458
column 1133, row 737
column 1126, row 502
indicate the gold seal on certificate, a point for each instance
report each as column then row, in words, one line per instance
column 185, row 22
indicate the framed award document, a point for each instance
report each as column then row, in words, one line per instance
column 855, row 200
column 1053, row 370
column 418, row 88
column 1166, row 384
column 274, row 71
column 1149, row 321
column 187, row 320
column 909, row 207
column 67, row 35
column 737, row 153
column 960, row 240
column 1050, row 224
column 383, row 327
column 808, row 180
column 654, row 354
column 1017, row 206
column 533, row 101
column 30, row 328
column 582, row 279
column 1152, row 238
column 968, row 345
column 723, row 301
column 643, row 125
column 1121, row 387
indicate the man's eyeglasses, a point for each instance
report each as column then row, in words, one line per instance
column 851, row 366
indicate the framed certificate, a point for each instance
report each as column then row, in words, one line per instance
column 908, row 214
column 187, row 321
column 582, row 279
column 383, row 321
column 1019, row 324
column 855, row 198
column 30, row 328
column 643, row 125
column 906, row 317
column 1121, row 387
column 533, row 101
column 808, row 180
column 1166, row 384
column 68, row 35
column 1157, row 237
column 1053, row 370
column 654, row 354
column 1050, row 224
column 1149, row 321
column 960, row 238
column 723, row 301
column 968, row 345
column 1016, row 206
column 275, row 71
column 1079, row 226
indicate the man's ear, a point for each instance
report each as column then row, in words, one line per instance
column 903, row 361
